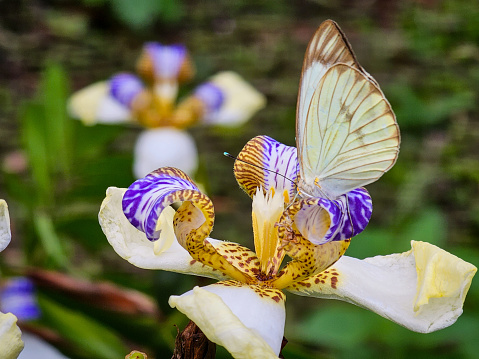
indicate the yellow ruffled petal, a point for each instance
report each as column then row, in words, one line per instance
column 10, row 337
column 247, row 320
column 440, row 275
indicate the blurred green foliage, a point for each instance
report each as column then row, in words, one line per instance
column 424, row 54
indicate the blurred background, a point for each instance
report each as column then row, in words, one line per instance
column 54, row 170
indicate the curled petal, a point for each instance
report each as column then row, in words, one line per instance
column 94, row 104
column 146, row 198
column 320, row 220
column 267, row 163
column 164, row 147
column 247, row 320
column 132, row 244
column 423, row 289
column 240, row 100
column 10, row 336
column 5, row 233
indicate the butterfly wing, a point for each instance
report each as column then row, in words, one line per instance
column 346, row 132
column 327, row 47
column 350, row 133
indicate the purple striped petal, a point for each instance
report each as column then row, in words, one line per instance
column 210, row 95
column 125, row 87
column 167, row 60
column 348, row 215
column 146, row 198
column 359, row 208
column 18, row 297
column 268, row 163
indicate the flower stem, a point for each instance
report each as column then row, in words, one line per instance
column 191, row 343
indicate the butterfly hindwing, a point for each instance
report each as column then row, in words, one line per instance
column 346, row 131
column 350, row 134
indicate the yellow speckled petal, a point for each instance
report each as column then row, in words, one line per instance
column 241, row 257
column 440, row 275
column 192, row 224
column 10, row 336
column 247, row 320
column 309, row 259
column 422, row 289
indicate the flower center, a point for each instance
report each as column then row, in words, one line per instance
column 267, row 210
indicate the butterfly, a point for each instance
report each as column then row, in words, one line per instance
column 346, row 132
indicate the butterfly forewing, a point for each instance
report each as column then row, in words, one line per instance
column 328, row 47
column 350, row 136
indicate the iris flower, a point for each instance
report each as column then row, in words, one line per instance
column 10, row 334
column 423, row 289
column 225, row 99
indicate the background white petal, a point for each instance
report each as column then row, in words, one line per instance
column 38, row 349
column 10, row 337
column 5, row 234
column 236, row 317
column 422, row 289
column 93, row 104
column 241, row 100
column 164, row 147
column 132, row 244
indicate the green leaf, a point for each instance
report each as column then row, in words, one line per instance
column 49, row 239
column 137, row 14
column 57, row 123
column 33, row 138
column 338, row 326
column 92, row 338
column 428, row 226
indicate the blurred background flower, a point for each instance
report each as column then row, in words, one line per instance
column 225, row 99
column 423, row 53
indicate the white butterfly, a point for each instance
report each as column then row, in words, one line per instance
column 346, row 132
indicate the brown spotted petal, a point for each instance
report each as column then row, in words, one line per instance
column 248, row 320
column 423, row 289
column 241, row 257
column 308, row 259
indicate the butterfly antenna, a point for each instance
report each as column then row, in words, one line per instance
column 263, row 168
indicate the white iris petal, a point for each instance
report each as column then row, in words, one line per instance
column 164, row 147
column 237, row 318
column 10, row 335
column 422, row 289
column 94, row 104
